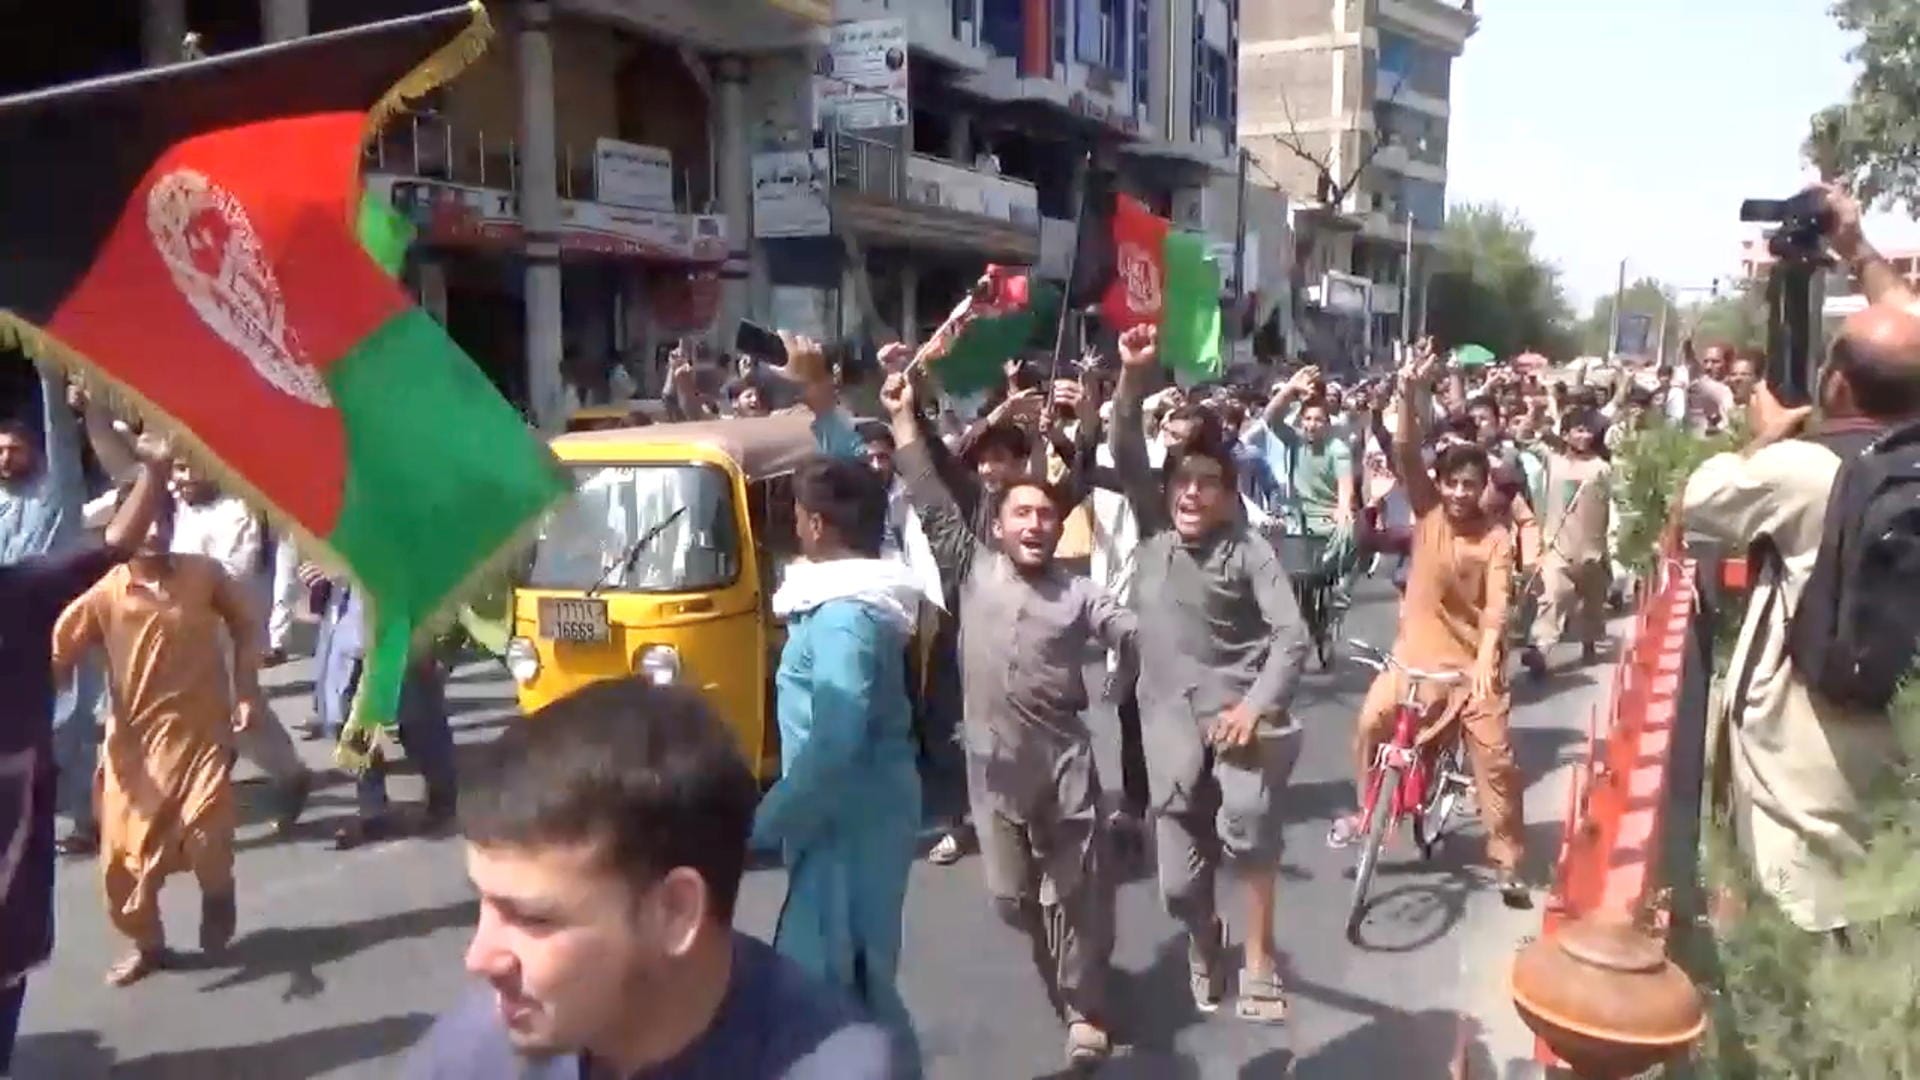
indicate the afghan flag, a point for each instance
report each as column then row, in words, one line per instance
column 1006, row 313
column 1137, row 268
column 189, row 242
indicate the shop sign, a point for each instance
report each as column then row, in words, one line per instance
column 860, row 80
column 790, row 194
column 1345, row 294
column 461, row 215
column 631, row 175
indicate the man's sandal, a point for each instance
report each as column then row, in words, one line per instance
column 1262, row 998
column 135, row 966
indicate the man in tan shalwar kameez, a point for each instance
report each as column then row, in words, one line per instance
column 165, row 799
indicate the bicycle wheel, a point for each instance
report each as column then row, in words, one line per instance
column 1331, row 622
column 1379, row 820
column 1449, row 778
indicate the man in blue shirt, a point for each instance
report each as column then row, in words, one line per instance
column 606, row 838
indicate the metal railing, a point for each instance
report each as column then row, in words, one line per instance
column 425, row 144
column 865, row 165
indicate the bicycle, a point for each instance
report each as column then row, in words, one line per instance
column 1423, row 782
column 1313, row 590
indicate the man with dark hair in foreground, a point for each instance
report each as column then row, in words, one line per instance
column 606, row 837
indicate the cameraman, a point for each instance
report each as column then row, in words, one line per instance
column 1801, row 764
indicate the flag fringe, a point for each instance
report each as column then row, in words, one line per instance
column 353, row 752
column 443, row 66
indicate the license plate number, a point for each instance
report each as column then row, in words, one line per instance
column 573, row 620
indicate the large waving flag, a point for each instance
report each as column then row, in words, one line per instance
column 192, row 241
column 1139, row 269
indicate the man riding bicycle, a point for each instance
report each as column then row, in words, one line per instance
column 1312, row 460
column 1454, row 617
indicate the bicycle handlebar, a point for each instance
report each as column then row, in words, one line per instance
column 1380, row 660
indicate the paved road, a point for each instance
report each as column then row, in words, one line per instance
column 344, row 957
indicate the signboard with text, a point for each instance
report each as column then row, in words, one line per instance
column 790, row 194
column 462, row 215
column 860, row 82
column 632, row 175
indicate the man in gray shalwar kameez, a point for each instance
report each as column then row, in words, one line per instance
column 1221, row 650
column 1027, row 627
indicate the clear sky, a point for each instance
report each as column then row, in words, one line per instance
column 1633, row 128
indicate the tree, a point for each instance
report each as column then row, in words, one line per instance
column 1872, row 141
column 1489, row 287
column 1738, row 319
column 1646, row 297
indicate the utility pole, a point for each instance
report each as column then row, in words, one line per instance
column 1406, row 289
column 1613, row 327
column 1240, row 235
column 1660, row 350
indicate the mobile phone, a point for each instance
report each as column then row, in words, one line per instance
column 757, row 341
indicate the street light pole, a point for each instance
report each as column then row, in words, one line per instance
column 1613, row 327
column 1406, row 289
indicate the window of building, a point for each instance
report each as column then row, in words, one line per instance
column 1002, row 26
column 1424, row 68
column 1100, row 37
column 1142, row 55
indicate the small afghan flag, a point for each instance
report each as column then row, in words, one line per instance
column 1137, row 268
column 193, row 242
column 1002, row 316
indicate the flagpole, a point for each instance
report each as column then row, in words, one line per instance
column 1073, row 268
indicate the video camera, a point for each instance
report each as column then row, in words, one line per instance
column 1795, row 289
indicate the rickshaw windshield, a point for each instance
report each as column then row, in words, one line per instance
column 601, row 536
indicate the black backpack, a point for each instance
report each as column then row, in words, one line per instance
column 1856, row 631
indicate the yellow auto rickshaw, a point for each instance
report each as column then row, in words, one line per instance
column 662, row 563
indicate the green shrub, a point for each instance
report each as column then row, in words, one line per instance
column 1789, row 1004
column 1650, row 468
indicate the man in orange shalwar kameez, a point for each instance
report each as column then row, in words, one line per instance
column 165, row 799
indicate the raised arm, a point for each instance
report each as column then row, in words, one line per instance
column 143, row 501
column 1289, row 394
column 947, row 522
column 1416, row 401
column 61, row 441
column 1139, row 355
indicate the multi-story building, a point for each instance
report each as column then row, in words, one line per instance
column 615, row 176
column 1345, row 103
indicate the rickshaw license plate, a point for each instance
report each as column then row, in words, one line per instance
column 573, row 620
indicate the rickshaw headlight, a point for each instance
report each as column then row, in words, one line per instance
column 660, row 664
column 523, row 660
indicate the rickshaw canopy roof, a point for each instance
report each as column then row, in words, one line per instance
column 761, row 446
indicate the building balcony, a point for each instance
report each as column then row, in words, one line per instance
column 1391, row 87
column 1446, row 22
column 1397, row 158
column 460, row 188
column 910, row 199
column 742, row 26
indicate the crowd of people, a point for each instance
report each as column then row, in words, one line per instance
column 970, row 592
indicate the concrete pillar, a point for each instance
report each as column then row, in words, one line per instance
column 163, row 23
column 851, row 270
column 735, row 168
column 284, row 20
column 433, row 288
column 960, row 139
column 540, row 214
column 910, row 302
